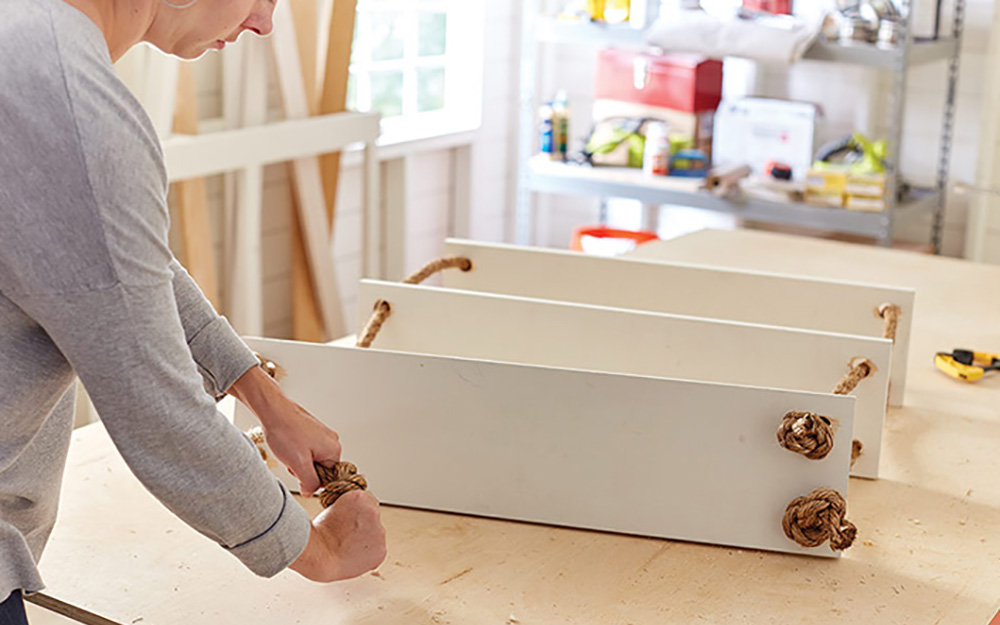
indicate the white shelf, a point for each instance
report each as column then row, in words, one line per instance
column 548, row 176
column 580, row 32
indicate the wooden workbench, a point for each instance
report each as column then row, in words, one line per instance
column 928, row 549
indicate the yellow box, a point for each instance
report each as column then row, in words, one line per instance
column 826, row 182
column 868, row 204
column 826, row 200
column 866, row 185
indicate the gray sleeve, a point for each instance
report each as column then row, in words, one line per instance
column 83, row 252
column 218, row 351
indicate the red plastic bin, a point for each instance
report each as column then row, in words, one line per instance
column 683, row 82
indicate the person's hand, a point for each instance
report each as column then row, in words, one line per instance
column 296, row 438
column 347, row 540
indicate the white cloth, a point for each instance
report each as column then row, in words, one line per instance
column 700, row 32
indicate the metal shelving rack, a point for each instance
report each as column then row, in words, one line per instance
column 538, row 175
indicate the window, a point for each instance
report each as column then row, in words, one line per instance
column 419, row 63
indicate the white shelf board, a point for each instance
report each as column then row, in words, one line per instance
column 551, row 29
column 546, row 176
column 870, row 55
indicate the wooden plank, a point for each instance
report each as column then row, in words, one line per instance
column 230, row 150
column 306, row 322
column 192, row 198
column 441, row 433
column 308, row 184
column 925, row 551
column 305, row 312
column 428, row 320
column 689, row 289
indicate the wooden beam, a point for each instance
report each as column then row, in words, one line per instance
column 308, row 184
column 305, row 312
column 192, row 199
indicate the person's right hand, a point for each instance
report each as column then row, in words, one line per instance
column 347, row 540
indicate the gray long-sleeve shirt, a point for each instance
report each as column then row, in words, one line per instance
column 89, row 287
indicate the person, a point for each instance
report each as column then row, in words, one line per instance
column 89, row 288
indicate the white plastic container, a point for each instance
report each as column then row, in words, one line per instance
column 656, row 154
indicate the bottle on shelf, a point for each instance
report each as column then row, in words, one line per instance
column 656, row 153
column 560, row 126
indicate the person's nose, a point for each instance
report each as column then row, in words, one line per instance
column 260, row 21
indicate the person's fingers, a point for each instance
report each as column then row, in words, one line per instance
column 308, row 480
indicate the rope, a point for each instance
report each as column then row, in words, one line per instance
column 858, row 369
column 383, row 309
column 818, row 517
column 806, row 433
column 272, row 368
column 891, row 313
column 856, row 448
column 336, row 481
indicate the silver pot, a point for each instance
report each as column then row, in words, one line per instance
column 890, row 33
column 856, row 29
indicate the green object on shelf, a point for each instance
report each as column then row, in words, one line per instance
column 615, row 144
column 858, row 156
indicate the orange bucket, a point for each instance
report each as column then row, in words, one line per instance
column 628, row 239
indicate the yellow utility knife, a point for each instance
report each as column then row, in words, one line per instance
column 965, row 364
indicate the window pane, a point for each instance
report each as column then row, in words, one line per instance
column 387, row 36
column 352, row 92
column 430, row 88
column 433, row 27
column 387, row 93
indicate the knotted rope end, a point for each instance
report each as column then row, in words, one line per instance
column 807, row 433
column 273, row 369
column 817, row 517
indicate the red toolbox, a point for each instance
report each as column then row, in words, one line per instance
column 769, row 6
column 682, row 82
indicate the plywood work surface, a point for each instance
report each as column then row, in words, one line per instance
column 927, row 550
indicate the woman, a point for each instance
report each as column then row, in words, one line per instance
column 88, row 287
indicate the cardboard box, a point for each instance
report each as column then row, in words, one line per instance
column 753, row 131
column 682, row 82
column 696, row 125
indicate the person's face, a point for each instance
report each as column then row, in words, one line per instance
column 209, row 25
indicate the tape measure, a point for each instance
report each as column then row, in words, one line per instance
column 967, row 365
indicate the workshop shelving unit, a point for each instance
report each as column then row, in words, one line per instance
column 536, row 174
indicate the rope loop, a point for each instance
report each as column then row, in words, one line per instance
column 858, row 369
column 383, row 309
column 817, row 517
column 891, row 314
column 806, row 433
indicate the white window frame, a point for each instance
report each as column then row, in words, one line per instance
column 462, row 61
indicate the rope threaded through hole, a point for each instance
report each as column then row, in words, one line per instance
column 817, row 517
column 891, row 314
column 383, row 309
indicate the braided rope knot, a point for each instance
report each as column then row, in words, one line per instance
column 806, row 433
column 339, row 480
column 817, row 517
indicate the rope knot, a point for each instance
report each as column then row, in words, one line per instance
column 336, row 481
column 339, row 480
column 806, row 433
column 818, row 517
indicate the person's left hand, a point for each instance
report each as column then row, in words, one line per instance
column 296, row 438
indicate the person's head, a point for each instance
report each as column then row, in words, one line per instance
column 187, row 28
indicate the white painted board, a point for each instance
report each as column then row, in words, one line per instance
column 674, row 459
column 467, row 324
column 685, row 289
